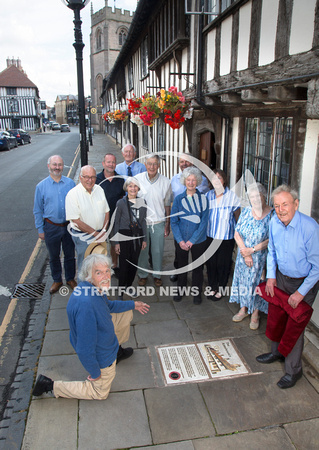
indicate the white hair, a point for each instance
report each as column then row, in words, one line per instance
column 89, row 262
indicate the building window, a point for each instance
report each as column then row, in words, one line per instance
column 160, row 136
column 13, row 106
column 145, row 137
column 122, row 36
column 130, row 75
column 144, row 58
column 267, row 150
column 11, row 91
column 217, row 7
column 98, row 39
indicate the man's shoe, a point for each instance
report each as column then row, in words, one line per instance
column 42, row 386
column 55, row 287
column 158, row 282
column 123, row 353
column 197, row 300
column 268, row 358
column 173, row 278
column 142, row 281
column 72, row 283
column 288, row 381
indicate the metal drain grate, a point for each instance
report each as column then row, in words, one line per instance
column 28, row 290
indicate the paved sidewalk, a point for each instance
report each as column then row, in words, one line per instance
column 142, row 411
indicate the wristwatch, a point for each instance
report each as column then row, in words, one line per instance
column 254, row 250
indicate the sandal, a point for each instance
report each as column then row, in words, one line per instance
column 240, row 316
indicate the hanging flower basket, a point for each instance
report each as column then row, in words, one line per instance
column 135, row 118
column 113, row 116
column 134, row 105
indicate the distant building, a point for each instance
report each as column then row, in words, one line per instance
column 19, row 99
column 109, row 29
column 66, row 109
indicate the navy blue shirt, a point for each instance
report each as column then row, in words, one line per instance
column 113, row 190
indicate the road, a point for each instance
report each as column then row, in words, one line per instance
column 22, row 258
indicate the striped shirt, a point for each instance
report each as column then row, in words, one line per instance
column 221, row 220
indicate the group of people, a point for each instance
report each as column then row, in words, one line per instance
column 135, row 206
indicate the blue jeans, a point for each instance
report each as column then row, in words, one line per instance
column 80, row 247
column 155, row 243
column 54, row 236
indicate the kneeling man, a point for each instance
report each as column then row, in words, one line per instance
column 98, row 327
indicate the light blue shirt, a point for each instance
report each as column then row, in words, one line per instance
column 294, row 249
column 221, row 220
column 49, row 200
column 179, row 188
column 136, row 168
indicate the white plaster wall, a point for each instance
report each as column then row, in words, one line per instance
column 308, row 166
column 268, row 29
column 243, row 36
column 211, row 54
column 225, row 46
column 302, row 26
column 234, row 150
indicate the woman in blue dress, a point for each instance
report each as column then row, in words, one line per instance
column 251, row 236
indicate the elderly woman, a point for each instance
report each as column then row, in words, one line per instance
column 130, row 220
column 251, row 236
column 224, row 210
column 189, row 217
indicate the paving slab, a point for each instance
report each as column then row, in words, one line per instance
column 159, row 333
column 52, row 424
column 62, row 367
column 305, row 434
column 119, row 422
column 254, row 401
column 57, row 342
column 57, row 320
column 274, row 439
column 185, row 445
column 177, row 413
column 134, row 373
column 157, row 312
column 59, row 302
column 187, row 309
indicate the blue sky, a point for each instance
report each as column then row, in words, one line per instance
column 40, row 33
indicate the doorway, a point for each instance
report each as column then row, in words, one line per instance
column 207, row 152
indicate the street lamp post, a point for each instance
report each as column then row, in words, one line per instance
column 89, row 121
column 76, row 6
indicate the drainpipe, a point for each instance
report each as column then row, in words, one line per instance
column 199, row 92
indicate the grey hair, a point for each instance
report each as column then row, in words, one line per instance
column 191, row 171
column 153, row 156
column 126, row 145
column 284, row 188
column 257, row 187
column 84, row 167
column 49, row 160
column 89, row 262
column 130, row 180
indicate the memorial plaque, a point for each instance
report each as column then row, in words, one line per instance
column 201, row 361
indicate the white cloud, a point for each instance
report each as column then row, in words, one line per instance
column 41, row 34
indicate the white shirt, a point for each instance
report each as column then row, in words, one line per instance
column 157, row 194
column 89, row 208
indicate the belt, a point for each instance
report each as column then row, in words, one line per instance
column 64, row 224
column 291, row 278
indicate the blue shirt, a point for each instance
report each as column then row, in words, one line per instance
column 179, row 188
column 135, row 166
column 92, row 332
column 49, row 200
column 221, row 221
column 294, row 249
column 189, row 218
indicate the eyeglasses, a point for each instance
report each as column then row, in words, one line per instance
column 87, row 178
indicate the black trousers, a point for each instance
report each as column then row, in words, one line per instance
column 182, row 260
column 129, row 253
column 219, row 264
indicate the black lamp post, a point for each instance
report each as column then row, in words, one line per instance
column 76, row 6
column 89, row 121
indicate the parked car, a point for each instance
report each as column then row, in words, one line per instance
column 23, row 137
column 65, row 127
column 7, row 141
column 56, row 126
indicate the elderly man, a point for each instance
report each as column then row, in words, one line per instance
column 112, row 185
column 50, row 221
column 292, row 266
column 98, row 327
column 129, row 167
column 179, row 188
column 88, row 212
column 156, row 190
